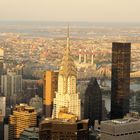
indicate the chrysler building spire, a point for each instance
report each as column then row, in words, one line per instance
column 68, row 38
column 67, row 97
column 67, row 67
column 68, row 41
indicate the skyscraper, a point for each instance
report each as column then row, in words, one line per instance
column 1, row 63
column 11, row 84
column 120, row 88
column 50, row 87
column 1, row 126
column 3, row 106
column 67, row 97
column 93, row 102
column 24, row 116
column 1, row 54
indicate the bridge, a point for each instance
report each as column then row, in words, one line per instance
column 104, row 72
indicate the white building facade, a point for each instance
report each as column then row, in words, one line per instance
column 3, row 106
column 67, row 96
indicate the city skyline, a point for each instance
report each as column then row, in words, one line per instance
column 76, row 83
column 74, row 10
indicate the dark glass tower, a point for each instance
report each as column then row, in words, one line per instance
column 93, row 102
column 120, row 87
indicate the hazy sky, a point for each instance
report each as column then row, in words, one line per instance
column 71, row 10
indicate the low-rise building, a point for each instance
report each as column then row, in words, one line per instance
column 30, row 134
column 127, row 128
column 58, row 129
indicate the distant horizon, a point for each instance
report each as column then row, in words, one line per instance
column 137, row 23
column 62, row 21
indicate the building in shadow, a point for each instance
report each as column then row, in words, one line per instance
column 120, row 82
column 93, row 102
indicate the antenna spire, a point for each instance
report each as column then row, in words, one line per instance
column 68, row 38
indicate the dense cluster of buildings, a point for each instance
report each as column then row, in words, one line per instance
column 45, row 53
column 62, row 114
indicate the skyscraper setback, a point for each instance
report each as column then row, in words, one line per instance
column 67, row 99
column 120, row 88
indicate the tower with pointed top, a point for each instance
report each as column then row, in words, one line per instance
column 67, row 99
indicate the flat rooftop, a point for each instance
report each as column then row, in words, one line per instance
column 62, row 121
column 121, row 121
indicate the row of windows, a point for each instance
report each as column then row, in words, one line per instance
column 123, row 134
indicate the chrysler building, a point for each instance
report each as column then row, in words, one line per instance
column 67, row 97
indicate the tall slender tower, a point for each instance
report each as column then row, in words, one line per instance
column 67, row 98
column 50, row 87
column 1, row 64
column 120, row 88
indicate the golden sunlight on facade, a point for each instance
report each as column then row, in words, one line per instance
column 67, row 96
column 50, row 86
